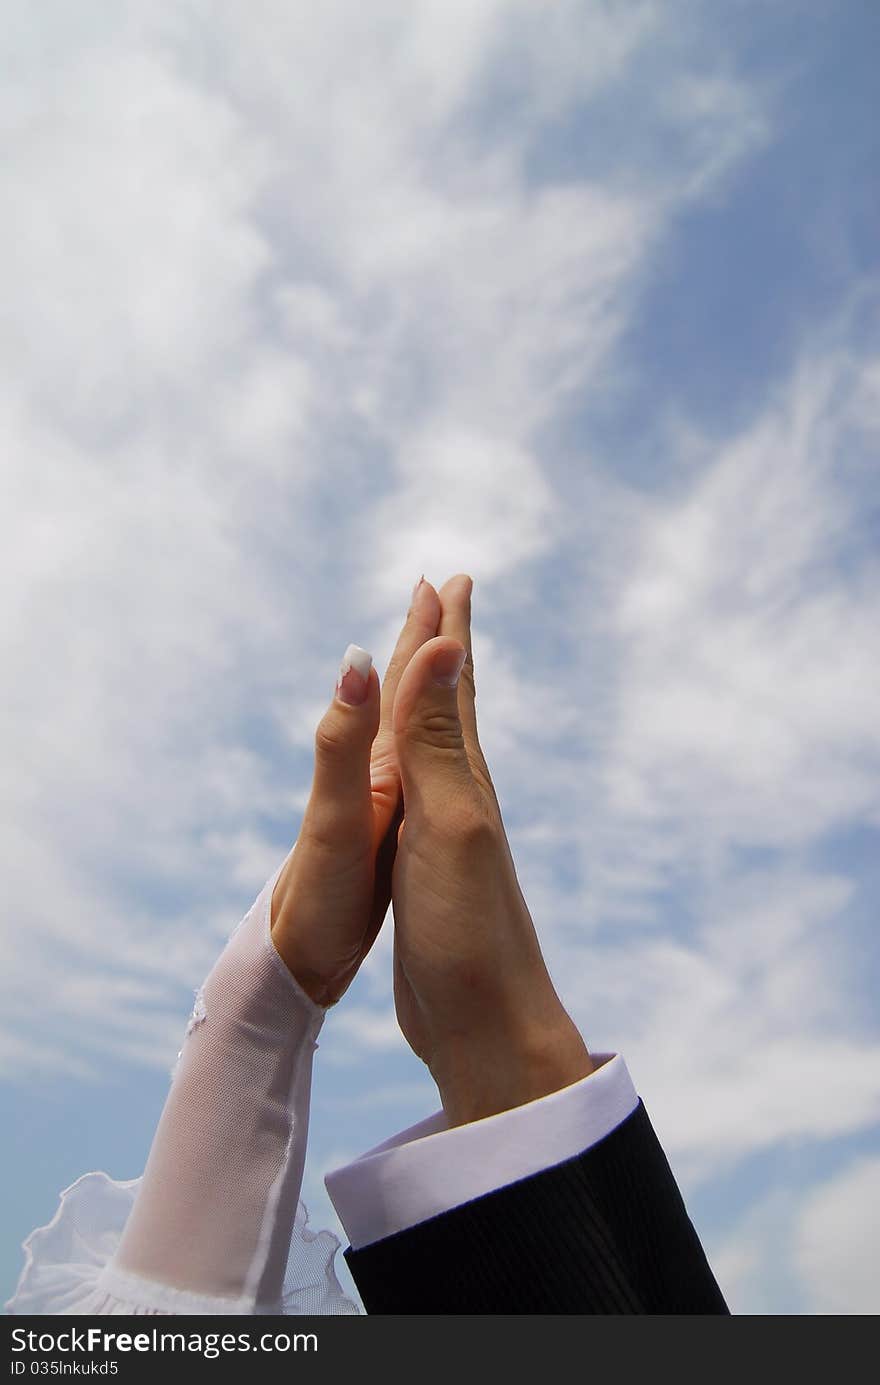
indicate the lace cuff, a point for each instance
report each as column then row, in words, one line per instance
column 215, row 1224
column 69, row 1268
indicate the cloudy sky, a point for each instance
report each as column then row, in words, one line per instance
column 579, row 297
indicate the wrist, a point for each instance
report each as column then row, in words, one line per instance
column 477, row 1078
column 320, row 989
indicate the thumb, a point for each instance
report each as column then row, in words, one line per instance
column 430, row 747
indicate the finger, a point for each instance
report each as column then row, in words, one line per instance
column 340, row 812
column 431, row 752
column 455, row 620
column 420, row 625
column 384, row 868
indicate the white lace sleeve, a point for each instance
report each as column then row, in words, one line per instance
column 215, row 1224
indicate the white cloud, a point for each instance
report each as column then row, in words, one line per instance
column 806, row 1250
column 733, row 710
column 357, row 1028
column 836, row 1240
column 748, row 652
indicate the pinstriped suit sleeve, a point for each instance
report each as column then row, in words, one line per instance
column 605, row 1231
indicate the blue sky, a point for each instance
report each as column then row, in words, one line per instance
column 579, row 298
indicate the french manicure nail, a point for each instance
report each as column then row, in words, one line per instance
column 354, row 676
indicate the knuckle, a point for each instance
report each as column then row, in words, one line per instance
column 472, row 826
column 454, row 816
column 330, row 739
column 320, row 834
column 335, row 830
column 440, row 730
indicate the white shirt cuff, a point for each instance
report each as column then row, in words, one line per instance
column 428, row 1168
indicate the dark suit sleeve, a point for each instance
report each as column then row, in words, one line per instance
column 604, row 1232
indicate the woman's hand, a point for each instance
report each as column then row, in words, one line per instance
column 473, row 995
column 333, row 892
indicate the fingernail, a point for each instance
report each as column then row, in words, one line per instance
column 447, row 665
column 415, row 590
column 354, row 676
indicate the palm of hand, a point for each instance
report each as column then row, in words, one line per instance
column 459, row 922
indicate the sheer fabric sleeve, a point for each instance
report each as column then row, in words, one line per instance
column 215, row 1224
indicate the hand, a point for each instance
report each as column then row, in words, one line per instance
column 334, row 889
column 473, row 995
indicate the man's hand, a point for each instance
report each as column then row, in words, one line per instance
column 334, row 890
column 473, row 995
